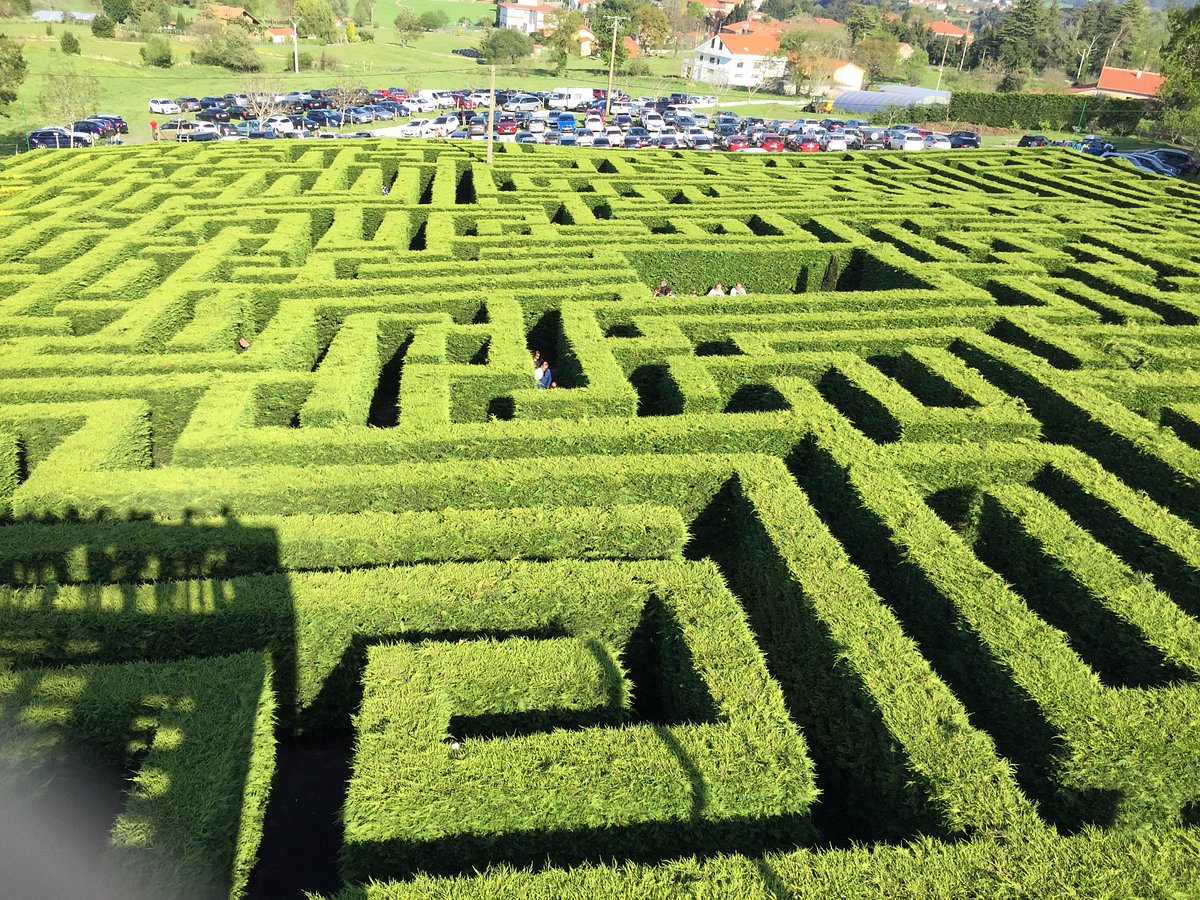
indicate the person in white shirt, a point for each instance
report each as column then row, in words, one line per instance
column 718, row 290
column 738, row 290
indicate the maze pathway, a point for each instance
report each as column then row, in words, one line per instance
column 881, row 580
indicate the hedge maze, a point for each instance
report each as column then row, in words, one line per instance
column 883, row 580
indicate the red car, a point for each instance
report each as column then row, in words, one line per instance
column 808, row 144
column 737, row 142
column 506, row 125
column 772, row 142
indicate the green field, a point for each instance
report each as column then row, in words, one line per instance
column 879, row 581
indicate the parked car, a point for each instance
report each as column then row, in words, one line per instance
column 197, row 131
column 735, row 143
column 653, row 122
column 442, row 126
column 165, row 107
column 1184, row 162
column 1150, row 163
column 522, row 103
column 118, row 123
column 214, row 114
column 527, row 137
column 506, row 125
column 188, row 104
column 964, row 140
column 418, row 128
column 937, row 142
column 477, row 126
column 1033, row 140
column 772, row 142
column 667, row 142
column 632, row 142
column 874, row 138
column 602, row 142
column 93, row 127
column 908, row 140
column 702, row 142
column 833, row 141
column 381, row 113
column 55, row 138
column 568, row 140
column 565, row 123
column 278, row 124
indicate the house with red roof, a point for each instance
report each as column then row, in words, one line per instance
column 526, row 17
column 942, row 28
column 1124, row 84
column 736, row 60
column 277, row 35
column 828, row 23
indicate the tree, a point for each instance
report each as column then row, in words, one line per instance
column 264, row 94
column 1181, row 65
column 433, row 19
column 12, row 71
column 68, row 96
column 504, row 46
column 157, row 52
column 345, row 94
column 351, row 32
column 103, row 27
column 407, row 24
column 862, row 22
column 740, row 13
column 650, row 24
column 878, row 56
column 229, row 48
column 316, row 16
column 916, row 66
column 69, row 44
column 564, row 24
column 812, row 56
column 117, row 10
column 364, row 13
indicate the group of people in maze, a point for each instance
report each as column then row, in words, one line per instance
column 542, row 376
column 664, row 289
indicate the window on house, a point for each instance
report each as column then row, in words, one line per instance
column 739, row 65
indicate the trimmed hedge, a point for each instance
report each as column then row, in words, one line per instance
column 1055, row 112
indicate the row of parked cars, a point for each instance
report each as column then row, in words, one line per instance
column 1168, row 161
column 84, row 133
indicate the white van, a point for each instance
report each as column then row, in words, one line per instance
column 570, row 98
column 444, row 99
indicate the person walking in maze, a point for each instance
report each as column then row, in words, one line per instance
column 544, row 377
column 537, row 365
column 718, row 290
column 737, row 290
column 663, row 289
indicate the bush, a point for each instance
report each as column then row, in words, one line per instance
column 69, row 44
column 433, row 19
column 157, row 52
column 103, row 27
column 636, row 68
column 229, row 48
column 304, row 59
column 366, row 34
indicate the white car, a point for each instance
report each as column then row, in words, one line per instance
column 279, row 124
column 594, row 123
column 585, row 137
column 443, row 126
column 833, row 141
column 652, row 122
column 937, row 142
column 421, row 104
column 689, row 136
column 165, row 107
column 418, row 128
column 910, row 140
column 620, row 106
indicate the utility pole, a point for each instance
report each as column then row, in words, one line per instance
column 966, row 40
column 295, row 20
column 491, row 126
column 942, row 67
column 612, row 63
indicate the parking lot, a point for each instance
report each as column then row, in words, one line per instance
column 566, row 117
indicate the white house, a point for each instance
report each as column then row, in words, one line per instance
column 526, row 17
column 737, row 60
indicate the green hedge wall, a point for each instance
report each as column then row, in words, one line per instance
column 1057, row 112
